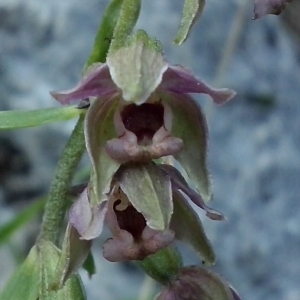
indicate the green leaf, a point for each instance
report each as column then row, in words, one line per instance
column 148, row 189
column 99, row 128
column 23, row 284
column 189, row 124
column 14, row 119
column 183, row 219
column 192, row 11
column 22, row 218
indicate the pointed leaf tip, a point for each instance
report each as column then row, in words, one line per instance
column 183, row 219
column 192, row 11
column 189, row 123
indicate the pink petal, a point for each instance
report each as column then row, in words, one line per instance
column 87, row 220
column 179, row 183
column 265, row 7
column 123, row 247
column 120, row 248
column 179, row 80
column 96, row 82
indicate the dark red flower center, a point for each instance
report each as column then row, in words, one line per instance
column 143, row 120
column 130, row 219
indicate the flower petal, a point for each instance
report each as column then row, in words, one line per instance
column 179, row 183
column 154, row 240
column 95, row 82
column 123, row 247
column 234, row 293
column 148, row 189
column 180, row 80
column 137, row 70
column 99, row 128
column 196, row 283
column 120, row 248
column 265, row 7
column 73, row 254
column 88, row 221
column 183, row 219
column 126, row 148
column 189, row 124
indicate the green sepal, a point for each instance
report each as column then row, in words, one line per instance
column 31, row 281
column 72, row 256
column 89, row 265
column 49, row 256
column 150, row 43
column 148, row 189
column 183, row 220
column 192, row 11
column 14, row 119
column 138, row 67
column 162, row 265
column 105, row 33
column 99, row 128
column 189, row 124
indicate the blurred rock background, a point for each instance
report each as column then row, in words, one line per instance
column 254, row 152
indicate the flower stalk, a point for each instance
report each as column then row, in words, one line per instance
column 105, row 33
column 57, row 200
column 128, row 16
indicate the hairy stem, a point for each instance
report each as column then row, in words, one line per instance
column 56, row 204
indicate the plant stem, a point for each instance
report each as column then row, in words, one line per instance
column 57, row 200
column 105, row 33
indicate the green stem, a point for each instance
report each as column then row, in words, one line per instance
column 105, row 33
column 128, row 17
column 56, row 204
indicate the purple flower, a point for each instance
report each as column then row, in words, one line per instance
column 197, row 283
column 140, row 110
column 265, row 7
column 145, row 211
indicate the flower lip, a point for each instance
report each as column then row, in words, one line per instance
column 143, row 120
column 129, row 218
column 144, row 133
column 131, row 238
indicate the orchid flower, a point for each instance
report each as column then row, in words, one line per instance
column 137, row 81
column 198, row 283
column 145, row 211
column 139, row 111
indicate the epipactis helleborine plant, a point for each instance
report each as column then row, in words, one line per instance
column 140, row 110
